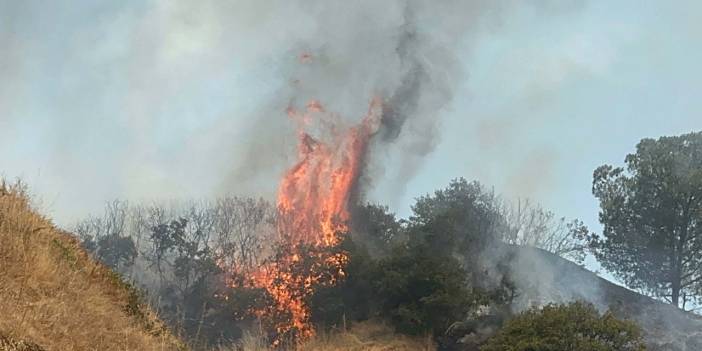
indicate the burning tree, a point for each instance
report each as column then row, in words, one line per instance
column 313, row 203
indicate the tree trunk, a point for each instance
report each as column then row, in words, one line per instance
column 675, row 296
column 676, row 284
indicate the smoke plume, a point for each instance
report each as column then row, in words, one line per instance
column 176, row 99
column 404, row 52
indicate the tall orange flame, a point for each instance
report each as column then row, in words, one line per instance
column 313, row 205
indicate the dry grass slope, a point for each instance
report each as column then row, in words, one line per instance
column 53, row 296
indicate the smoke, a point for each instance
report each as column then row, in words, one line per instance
column 404, row 52
column 167, row 99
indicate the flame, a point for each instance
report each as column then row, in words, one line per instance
column 313, row 204
column 315, row 192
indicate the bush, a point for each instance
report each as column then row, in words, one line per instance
column 414, row 289
column 575, row 327
column 353, row 299
column 421, row 292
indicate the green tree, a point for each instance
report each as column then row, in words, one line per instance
column 420, row 291
column 652, row 217
column 350, row 299
column 463, row 218
column 573, row 327
column 376, row 227
column 116, row 251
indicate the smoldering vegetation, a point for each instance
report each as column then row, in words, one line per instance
column 179, row 254
column 184, row 255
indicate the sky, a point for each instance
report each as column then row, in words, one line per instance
column 145, row 100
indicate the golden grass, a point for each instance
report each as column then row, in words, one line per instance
column 54, row 295
column 365, row 336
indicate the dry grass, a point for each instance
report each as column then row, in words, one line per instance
column 366, row 336
column 9, row 344
column 55, row 296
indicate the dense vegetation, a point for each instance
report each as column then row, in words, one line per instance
column 573, row 327
column 446, row 264
column 444, row 272
column 420, row 275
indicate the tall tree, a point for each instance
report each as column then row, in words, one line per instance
column 652, row 217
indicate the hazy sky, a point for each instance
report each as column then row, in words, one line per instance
column 145, row 99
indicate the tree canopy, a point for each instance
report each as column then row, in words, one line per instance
column 652, row 216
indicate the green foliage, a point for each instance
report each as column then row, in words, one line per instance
column 414, row 289
column 652, row 216
column 376, row 227
column 422, row 275
column 462, row 218
column 464, row 222
column 421, row 292
column 353, row 298
column 166, row 238
column 573, row 327
column 116, row 251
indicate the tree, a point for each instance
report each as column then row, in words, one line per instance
column 351, row 298
column 528, row 224
column 183, row 254
column 376, row 227
column 106, row 237
column 652, row 217
column 573, row 327
column 116, row 251
column 463, row 218
column 468, row 219
column 420, row 291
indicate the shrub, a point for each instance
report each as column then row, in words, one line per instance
column 575, row 327
column 352, row 299
column 420, row 291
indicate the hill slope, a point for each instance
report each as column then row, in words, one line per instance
column 550, row 278
column 54, row 297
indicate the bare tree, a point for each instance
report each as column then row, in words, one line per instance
column 106, row 237
column 244, row 227
column 528, row 224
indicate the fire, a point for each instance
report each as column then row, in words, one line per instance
column 314, row 193
column 313, row 206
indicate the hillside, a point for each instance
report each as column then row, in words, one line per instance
column 550, row 278
column 54, row 297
